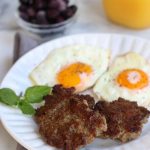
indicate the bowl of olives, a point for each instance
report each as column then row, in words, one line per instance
column 46, row 16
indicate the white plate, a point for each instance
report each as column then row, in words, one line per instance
column 24, row 129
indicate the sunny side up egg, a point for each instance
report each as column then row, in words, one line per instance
column 128, row 77
column 74, row 66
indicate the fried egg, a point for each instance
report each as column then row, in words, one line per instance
column 128, row 77
column 74, row 66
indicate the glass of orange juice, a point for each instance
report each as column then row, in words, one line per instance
column 131, row 13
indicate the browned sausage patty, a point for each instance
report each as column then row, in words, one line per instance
column 68, row 120
column 124, row 119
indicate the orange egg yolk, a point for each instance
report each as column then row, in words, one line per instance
column 70, row 76
column 133, row 79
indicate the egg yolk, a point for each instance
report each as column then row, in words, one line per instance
column 133, row 79
column 70, row 76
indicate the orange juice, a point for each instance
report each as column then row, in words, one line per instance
column 131, row 13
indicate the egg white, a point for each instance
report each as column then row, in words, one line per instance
column 108, row 89
column 46, row 72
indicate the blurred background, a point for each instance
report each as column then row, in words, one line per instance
column 70, row 17
column 91, row 17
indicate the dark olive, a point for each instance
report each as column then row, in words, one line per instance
column 52, row 13
column 60, row 5
column 40, row 4
column 41, row 17
column 69, row 12
column 24, row 2
column 27, row 2
column 31, row 12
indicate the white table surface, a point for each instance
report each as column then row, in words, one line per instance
column 91, row 18
column 6, row 54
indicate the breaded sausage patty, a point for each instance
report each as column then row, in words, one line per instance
column 124, row 119
column 68, row 120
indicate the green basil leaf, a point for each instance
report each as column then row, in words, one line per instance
column 35, row 94
column 8, row 97
column 26, row 108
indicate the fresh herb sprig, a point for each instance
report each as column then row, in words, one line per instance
column 32, row 95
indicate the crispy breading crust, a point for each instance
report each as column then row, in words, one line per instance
column 124, row 119
column 67, row 120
